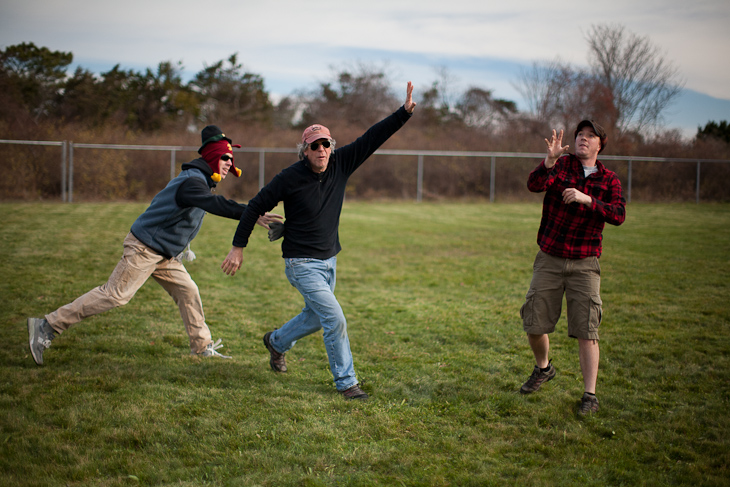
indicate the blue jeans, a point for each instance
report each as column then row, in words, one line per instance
column 315, row 280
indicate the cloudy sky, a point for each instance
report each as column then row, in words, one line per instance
column 295, row 44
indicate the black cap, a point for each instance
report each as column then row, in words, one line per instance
column 212, row 133
column 596, row 128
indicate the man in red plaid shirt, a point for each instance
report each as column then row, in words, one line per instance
column 581, row 196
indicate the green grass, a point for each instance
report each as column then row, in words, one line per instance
column 432, row 294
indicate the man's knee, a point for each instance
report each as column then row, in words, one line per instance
column 335, row 325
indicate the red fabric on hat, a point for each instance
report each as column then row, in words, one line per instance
column 212, row 153
column 315, row 132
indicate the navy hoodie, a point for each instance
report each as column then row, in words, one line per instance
column 176, row 213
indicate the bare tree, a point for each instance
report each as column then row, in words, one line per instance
column 643, row 83
column 445, row 84
column 477, row 108
column 436, row 105
column 544, row 88
column 357, row 94
column 558, row 94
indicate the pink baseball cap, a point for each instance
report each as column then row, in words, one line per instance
column 315, row 132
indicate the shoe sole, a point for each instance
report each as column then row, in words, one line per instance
column 31, row 338
column 361, row 397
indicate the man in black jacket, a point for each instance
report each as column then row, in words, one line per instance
column 313, row 191
column 154, row 247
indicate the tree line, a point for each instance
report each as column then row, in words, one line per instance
column 627, row 87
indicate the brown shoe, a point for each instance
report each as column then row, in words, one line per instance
column 537, row 378
column 355, row 392
column 277, row 360
column 588, row 404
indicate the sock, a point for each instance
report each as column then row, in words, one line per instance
column 546, row 368
column 591, row 394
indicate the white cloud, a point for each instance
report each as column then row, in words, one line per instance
column 288, row 41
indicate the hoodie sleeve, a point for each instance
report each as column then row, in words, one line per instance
column 195, row 192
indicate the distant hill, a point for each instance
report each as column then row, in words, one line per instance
column 693, row 109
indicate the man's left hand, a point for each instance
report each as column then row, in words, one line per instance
column 572, row 195
column 409, row 105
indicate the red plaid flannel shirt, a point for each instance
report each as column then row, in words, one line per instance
column 575, row 231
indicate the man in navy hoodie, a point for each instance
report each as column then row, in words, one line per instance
column 154, row 247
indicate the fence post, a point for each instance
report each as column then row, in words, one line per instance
column 172, row 164
column 262, row 167
column 63, row 171
column 629, row 199
column 419, row 180
column 698, row 182
column 492, row 171
column 70, row 172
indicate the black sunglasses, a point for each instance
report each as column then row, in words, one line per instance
column 226, row 157
column 315, row 145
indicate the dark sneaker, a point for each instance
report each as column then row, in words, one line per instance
column 212, row 350
column 354, row 392
column 588, row 404
column 40, row 335
column 537, row 378
column 277, row 361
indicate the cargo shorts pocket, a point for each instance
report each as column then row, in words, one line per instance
column 596, row 313
column 527, row 310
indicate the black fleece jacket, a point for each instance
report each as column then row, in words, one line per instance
column 313, row 202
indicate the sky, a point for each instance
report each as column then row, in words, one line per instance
column 294, row 45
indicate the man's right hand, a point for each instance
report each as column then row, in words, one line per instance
column 233, row 261
column 555, row 149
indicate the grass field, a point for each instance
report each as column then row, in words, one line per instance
column 432, row 294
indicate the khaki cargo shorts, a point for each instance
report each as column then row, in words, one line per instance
column 579, row 280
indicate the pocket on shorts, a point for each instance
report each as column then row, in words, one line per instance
column 527, row 311
column 596, row 313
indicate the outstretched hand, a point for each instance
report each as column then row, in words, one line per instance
column 268, row 218
column 409, row 105
column 555, row 149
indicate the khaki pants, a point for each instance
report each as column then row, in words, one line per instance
column 137, row 264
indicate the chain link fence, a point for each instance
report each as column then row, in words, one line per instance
column 113, row 172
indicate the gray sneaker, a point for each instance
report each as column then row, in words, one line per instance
column 537, row 378
column 211, row 350
column 40, row 335
column 588, row 404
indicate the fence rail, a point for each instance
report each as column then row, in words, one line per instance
column 68, row 147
